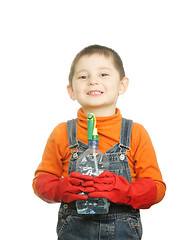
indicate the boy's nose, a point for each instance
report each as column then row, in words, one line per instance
column 93, row 80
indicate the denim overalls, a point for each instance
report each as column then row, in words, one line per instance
column 122, row 221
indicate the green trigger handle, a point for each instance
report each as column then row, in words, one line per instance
column 92, row 130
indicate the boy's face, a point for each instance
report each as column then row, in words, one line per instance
column 97, row 84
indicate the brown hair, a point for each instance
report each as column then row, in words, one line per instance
column 101, row 50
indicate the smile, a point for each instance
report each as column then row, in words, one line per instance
column 94, row 93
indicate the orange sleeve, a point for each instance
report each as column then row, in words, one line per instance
column 145, row 160
column 52, row 157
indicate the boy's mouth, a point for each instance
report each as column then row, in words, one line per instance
column 94, row 92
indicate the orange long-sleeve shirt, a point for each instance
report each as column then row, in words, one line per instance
column 141, row 157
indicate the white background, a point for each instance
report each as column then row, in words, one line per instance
column 38, row 42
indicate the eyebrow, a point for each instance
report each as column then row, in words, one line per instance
column 83, row 70
column 100, row 68
column 104, row 68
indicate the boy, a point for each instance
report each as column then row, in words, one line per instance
column 133, row 180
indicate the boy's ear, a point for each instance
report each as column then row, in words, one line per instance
column 123, row 85
column 71, row 92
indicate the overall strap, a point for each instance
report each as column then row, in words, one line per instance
column 72, row 133
column 126, row 129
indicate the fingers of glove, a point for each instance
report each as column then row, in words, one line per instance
column 69, row 197
column 98, row 195
column 71, row 189
column 87, row 183
column 79, row 182
column 105, row 177
column 106, row 174
column 80, row 176
column 79, row 189
column 105, row 180
column 81, row 197
column 103, row 187
column 87, row 189
column 75, row 181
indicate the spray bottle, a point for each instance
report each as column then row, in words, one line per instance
column 92, row 162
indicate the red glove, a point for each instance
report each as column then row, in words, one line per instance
column 139, row 194
column 53, row 189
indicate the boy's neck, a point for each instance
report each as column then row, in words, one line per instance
column 100, row 112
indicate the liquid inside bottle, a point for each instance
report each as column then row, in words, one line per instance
column 92, row 162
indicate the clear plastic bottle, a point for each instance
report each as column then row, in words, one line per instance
column 92, row 162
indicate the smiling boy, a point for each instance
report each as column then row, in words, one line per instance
column 133, row 180
column 96, row 85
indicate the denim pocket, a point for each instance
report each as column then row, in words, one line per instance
column 135, row 225
column 63, row 222
column 72, row 227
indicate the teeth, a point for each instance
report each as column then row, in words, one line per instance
column 94, row 93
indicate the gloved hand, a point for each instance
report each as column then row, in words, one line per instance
column 53, row 189
column 139, row 194
column 73, row 184
column 108, row 185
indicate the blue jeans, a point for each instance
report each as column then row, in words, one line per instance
column 116, row 226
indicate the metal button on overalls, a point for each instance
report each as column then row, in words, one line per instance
column 122, row 157
column 75, row 155
column 65, row 206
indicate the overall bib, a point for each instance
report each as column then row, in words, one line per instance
column 122, row 221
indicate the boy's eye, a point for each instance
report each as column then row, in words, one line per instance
column 83, row 77
column 103, row 74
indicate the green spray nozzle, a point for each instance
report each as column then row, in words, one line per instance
column 92, row 130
